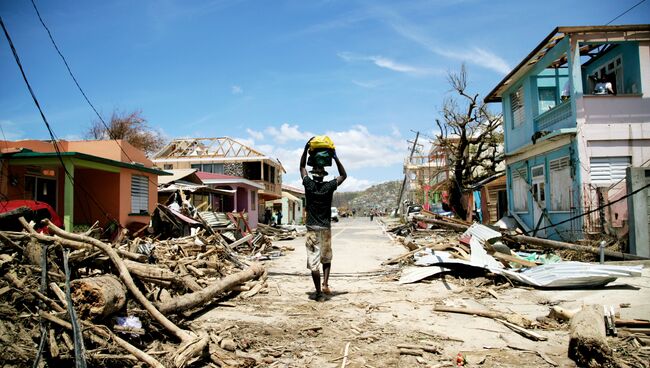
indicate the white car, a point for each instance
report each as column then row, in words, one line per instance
column 335, row 214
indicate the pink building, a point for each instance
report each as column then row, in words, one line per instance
column 244, row 198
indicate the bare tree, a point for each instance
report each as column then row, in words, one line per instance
column 472, row 137
column 131, row 127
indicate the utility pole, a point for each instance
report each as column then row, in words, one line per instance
column 401, row 191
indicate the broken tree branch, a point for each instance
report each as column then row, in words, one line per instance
column 102, row 336
column 125, row 276
column 184, row 302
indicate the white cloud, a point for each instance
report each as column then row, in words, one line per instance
column 386, row 63
column 288, row 133
column 236, row 90
column 357, row 147
column 255, row 134
column 363, row 84
column 474, row 55
column 247, row 142
column 352, row 184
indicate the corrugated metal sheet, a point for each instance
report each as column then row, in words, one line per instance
column 555, row 275
column 571, row 274
column 481, row 232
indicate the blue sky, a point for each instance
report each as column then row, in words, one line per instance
column 274, row 73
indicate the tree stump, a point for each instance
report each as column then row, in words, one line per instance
column 588, row 345
column 98, row 297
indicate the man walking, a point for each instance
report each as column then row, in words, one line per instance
column 319, row 236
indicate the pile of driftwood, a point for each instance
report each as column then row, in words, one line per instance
column 68, row 297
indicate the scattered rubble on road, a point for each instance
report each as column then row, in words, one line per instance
column 447, row 249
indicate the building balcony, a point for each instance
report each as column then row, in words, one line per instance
column 556, row 118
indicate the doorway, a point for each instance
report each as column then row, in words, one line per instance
column 41, row 189
column 539, row 197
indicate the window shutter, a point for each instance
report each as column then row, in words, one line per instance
column 608, row 170
column 561, row 183
column 139, row 194
column 517, row 106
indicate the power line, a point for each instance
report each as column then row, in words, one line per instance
column 108, row 130
column 596, row 209
column 47, row 124
column 625, row 12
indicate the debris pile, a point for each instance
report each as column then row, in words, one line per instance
column 130, row 300
column 440, row 247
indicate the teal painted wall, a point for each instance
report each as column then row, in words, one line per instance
column 631, row 67
column 539, row 76
column 569, row 231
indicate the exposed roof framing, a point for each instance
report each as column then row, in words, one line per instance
column 591, row 35
column 222, row 147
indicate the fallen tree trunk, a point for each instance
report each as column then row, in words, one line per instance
column 588, row 345
column 546, row 243
column 184, row 302
column 124, row 274
column 554, row 244
column 451, row 225
column 98, row 297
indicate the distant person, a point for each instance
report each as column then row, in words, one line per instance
column 267, row 216
column 603, row 87
column 372, row 214
column 318, row 194
column 278, row 216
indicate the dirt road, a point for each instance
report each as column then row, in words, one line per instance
column 374, row 314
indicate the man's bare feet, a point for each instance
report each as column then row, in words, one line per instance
column 326, row 290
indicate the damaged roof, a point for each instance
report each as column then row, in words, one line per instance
column 592, row 33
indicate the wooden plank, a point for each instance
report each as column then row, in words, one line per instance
column 513, row 259
column 524, row 332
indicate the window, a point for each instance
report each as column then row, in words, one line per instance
column 605, row 171
column 547, row 99
column 209, row 168
column 168, row 167
column 517, row 107
column 520, row 189
column 560, row 177
column 612, row 71
column 139, row 194
column 253, row 195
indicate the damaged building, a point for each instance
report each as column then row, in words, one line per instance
column 226, row 156
column 576, row 116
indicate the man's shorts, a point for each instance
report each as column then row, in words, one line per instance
column 319, row 248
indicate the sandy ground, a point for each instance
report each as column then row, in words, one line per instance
column 371, row 312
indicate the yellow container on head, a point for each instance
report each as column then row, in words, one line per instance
column 321, row 141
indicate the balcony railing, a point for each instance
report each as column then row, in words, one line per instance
column 555, row 118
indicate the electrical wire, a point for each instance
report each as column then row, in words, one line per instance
column 79, row 349
column 625, row 12
column 596, row 209
column 47, row 124
column 108, row 130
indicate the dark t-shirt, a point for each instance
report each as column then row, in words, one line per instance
column 319, row 202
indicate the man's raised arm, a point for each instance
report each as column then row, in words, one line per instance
column 339, row 166
column 303, row 160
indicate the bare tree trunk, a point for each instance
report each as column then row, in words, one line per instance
column 204, row 296
column 98, row 297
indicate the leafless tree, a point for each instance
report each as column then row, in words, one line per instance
column 131, row 127
column 472, row 137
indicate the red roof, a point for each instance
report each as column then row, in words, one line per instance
column 206, row 175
